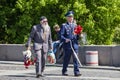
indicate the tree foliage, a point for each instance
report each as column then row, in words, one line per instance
column 99, row 18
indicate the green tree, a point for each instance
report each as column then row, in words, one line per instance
column 105, row 17
column 7, row 19
column 99, row 18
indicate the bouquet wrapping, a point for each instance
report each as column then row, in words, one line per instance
column 28, row 59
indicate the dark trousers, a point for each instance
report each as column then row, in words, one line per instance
column 67, row 56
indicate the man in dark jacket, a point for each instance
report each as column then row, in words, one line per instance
column 42, row 42
column 68, row 36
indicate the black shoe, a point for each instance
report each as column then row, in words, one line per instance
column 77, row 75
column 39, row 75
column 65, row 74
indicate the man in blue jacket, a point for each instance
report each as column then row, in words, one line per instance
column 57, row 45
column 68, row 36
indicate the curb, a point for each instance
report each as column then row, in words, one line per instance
column 88, row 67
column 60, row 65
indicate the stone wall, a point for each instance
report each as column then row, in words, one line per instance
column 107, row 55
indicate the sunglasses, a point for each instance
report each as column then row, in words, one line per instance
column 44, row 21
column 56, row 28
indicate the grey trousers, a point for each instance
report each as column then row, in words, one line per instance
column 40, row 61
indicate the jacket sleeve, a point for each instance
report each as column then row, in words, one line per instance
column 30, row 37
column 62, row 33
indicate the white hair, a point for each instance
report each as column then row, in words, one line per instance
column 45, row 27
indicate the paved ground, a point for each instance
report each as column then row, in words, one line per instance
column 16, row 71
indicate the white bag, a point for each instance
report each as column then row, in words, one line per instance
column 51, row 57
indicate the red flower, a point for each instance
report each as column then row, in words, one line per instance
column 28, row 62
column 78, row 29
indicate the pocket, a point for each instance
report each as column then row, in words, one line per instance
column 37, row 46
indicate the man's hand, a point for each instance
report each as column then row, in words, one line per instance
column 28, row 48
column 67, row 40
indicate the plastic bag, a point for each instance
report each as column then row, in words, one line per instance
column 51, row 57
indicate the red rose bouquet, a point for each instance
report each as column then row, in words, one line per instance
column 78, row 29
column 28, row 62
column 28, row 59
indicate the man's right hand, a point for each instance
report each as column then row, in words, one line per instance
column 67, row 40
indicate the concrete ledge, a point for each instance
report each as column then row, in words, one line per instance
column 11, row 52
column 107, row 55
